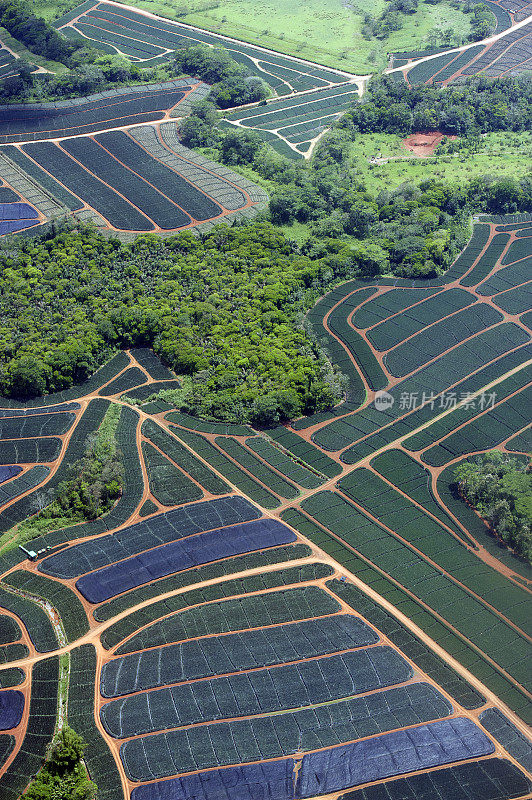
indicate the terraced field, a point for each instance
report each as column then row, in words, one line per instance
column 292, row 613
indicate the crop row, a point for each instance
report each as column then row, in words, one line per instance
column 152, row 364
column 211, row 184
column 109, row 109
column 12, row 676
column 142, row 393
column 279, row 735
column 454, row 368
column 144, row 39
column 498, row 47
column 485, row 432
column 204, row 426
column 377, row 309
column 39, row 730
column 393, row 510
column 274, row 555
column 511, row 738
column 234, row 652
column 27, row 451
column 115, row 172
column 257, row 468
column 166, row 180
column 470, row 253
column 457, row 63
column 412, row 647
column 516, row 59
column 249, row 584
column 31, row 427
column 31, row 411
column 40, row 198
column 181, row 555
column 7, row 743
column 305, row 451
column 63, row 599
column 459, row 612
column 36, row 620
column 262, row 691
column 244, row 482
column 234, row 614
column 116, row 210
column 366, row 422
column 357, row 346
column 487, row 261
column 522, row 443
column 391, row 332
column 184, row 458
column 97, row 756
column 167, row 483
column 13, row 652
column 491, row 777
column 132, row 376
column 284, row 463
column 466, row 413
column 9, row 629
column 27, row 481
column 414, row 480
column 514, row 301
column 170, row 137
column 441, row 336
column 167, row 527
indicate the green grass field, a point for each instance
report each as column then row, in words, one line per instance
column 325, row 31
column 499, row 154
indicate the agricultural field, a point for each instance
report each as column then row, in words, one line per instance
column 319, row 31
column 293, row 612
column 509, row 55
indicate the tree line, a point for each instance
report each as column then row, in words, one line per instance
column 499, row 487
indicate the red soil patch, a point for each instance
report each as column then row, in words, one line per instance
column 424, row 144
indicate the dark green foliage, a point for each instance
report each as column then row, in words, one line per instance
column 184, row 458
column 193, row 298
column 142, row 393
column 40, row 729
column 230, row 81
column 500, row 488
column 479, row 105
column 168, row 484
column 64, row 773
column 97, row 757
column 34, row 618
column 34, row 32
column 69, row 607
column 275, row 555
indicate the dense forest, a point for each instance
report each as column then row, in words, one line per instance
column 479, row 105
column 499, row 487
column 225, row 308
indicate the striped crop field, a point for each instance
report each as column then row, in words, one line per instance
column 290, row 613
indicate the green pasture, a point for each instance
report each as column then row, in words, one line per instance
column 498, row 154
column 324, row 31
